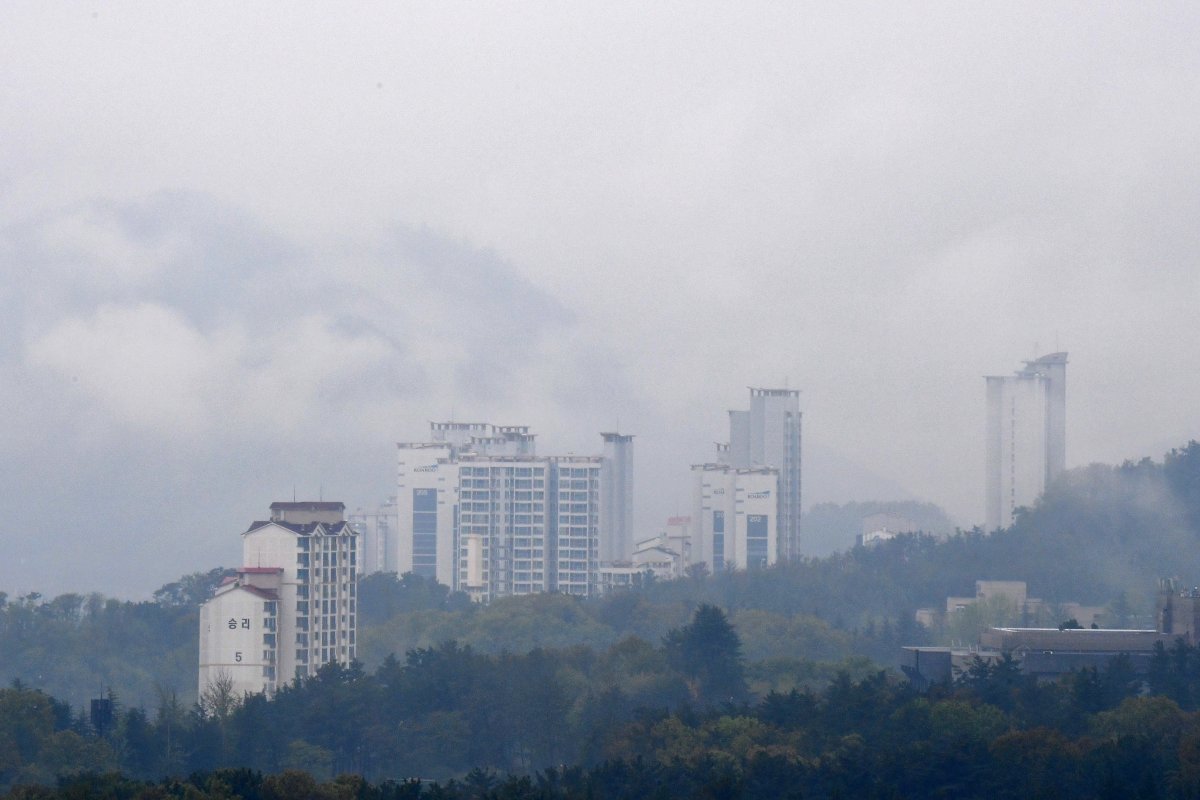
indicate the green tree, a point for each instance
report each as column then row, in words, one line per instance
column 709, row 653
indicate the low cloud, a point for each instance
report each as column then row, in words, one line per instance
column 307, row 364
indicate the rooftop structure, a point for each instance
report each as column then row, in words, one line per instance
column 308, row 511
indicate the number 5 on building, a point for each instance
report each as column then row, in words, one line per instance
column 238, row 656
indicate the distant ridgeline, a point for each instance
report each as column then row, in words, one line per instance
column 830, row 527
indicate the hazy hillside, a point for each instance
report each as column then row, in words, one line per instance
column 829, row 527
column 1102, row 535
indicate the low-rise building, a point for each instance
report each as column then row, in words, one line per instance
column 1025, row 610
column 1049, row 653
column 884, row 526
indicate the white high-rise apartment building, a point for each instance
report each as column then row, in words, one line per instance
column 424, row 538
column 735, row 516
column 768, row 435
column 292, row 606
column 504, row 530
column 1026, row 436
column 577, row 532
column 374, row 528
column 528, row 524
column 478, row 510
column 616, row 497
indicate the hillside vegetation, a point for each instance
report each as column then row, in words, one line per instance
column 635, row 720
column 1102, row 535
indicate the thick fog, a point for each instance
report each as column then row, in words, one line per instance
column 246, row 249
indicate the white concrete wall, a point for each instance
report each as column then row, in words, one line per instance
column 1029, row 444
column 713, row 490
column 1015, row 473
column 740, row 453
column 271, row 546
column 616, row 489
column 274, row 546
column 756, row 497
column 231, row 641
column 1025, row 436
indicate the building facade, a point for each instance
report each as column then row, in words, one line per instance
column 291, row 608
column 239, row 630
column 528, row 524
column 616, row 487
column 481, row 512
column 769, row 435
column 427, row 495
column 1025, row 436
column 735, row 516
column 375, row 540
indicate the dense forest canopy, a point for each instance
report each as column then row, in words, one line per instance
column 634, row 720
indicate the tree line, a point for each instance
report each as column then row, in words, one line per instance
column 671, row 720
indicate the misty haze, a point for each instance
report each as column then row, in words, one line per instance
column 563, row 400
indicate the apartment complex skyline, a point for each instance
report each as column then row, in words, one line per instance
column 479, row 510
column 1026, row 442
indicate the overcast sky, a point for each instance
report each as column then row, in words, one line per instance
column 248, row 247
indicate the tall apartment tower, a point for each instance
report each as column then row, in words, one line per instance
column 375, row 539
column 1026, row 444
column 768, row 435
column 292, row 606
column 528, row 524
column 478, row 510
column 616, row 498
